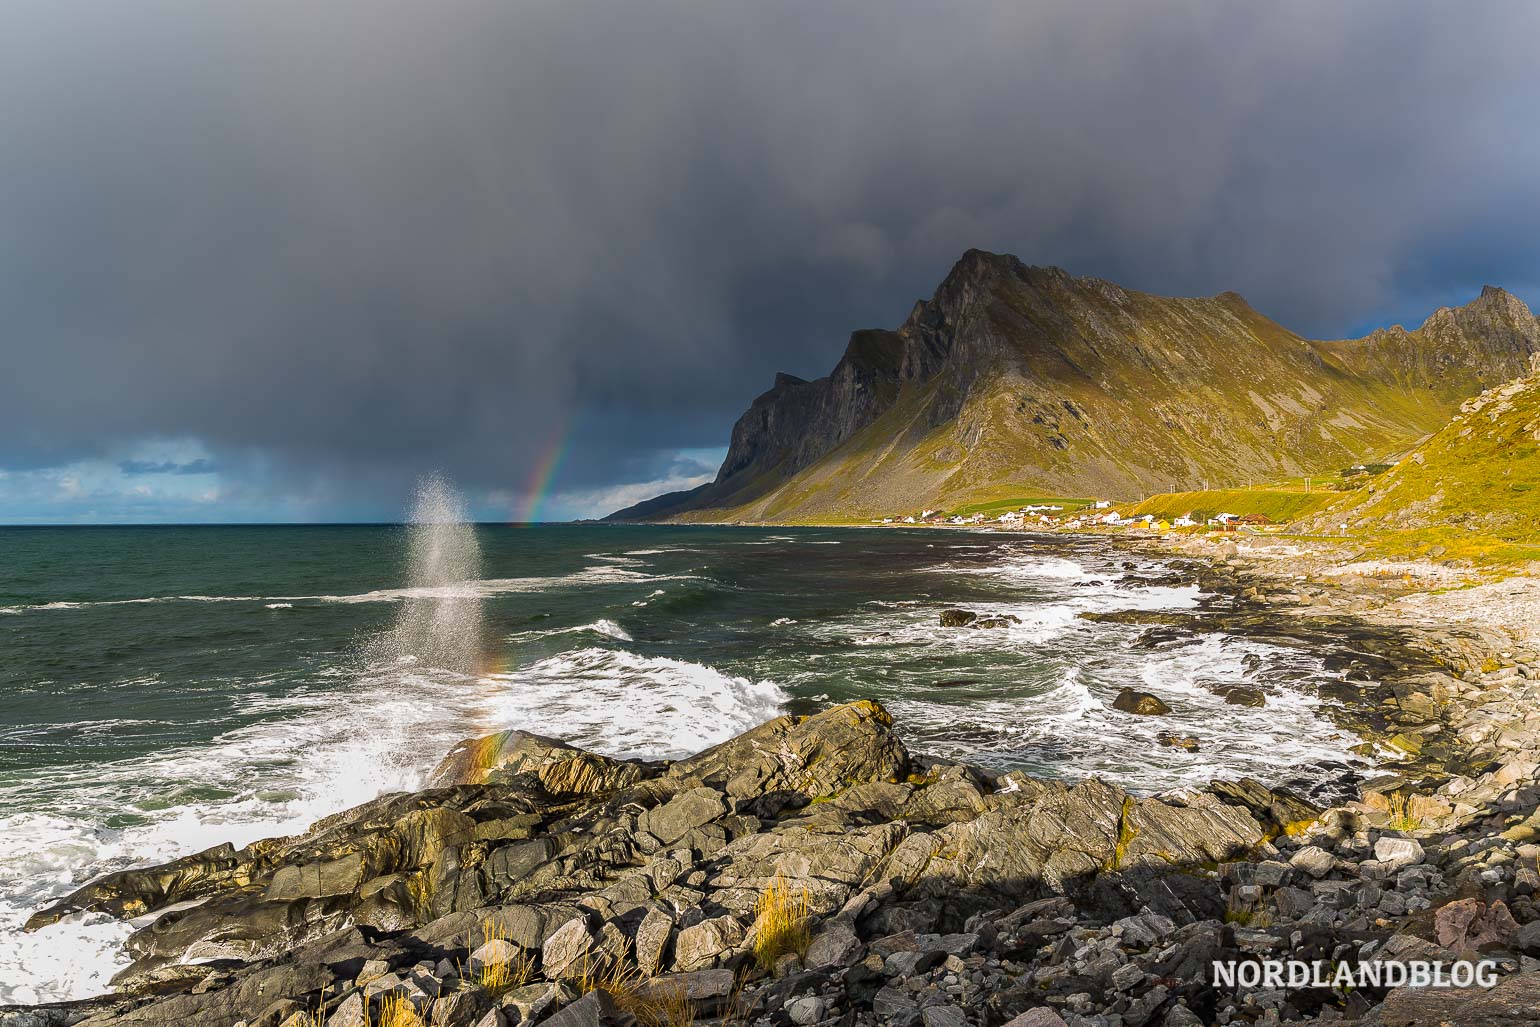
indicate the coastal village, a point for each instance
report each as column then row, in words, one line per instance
column 1097, row 513
column 1253, row 509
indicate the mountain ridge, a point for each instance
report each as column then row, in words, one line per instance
column 1021, row 377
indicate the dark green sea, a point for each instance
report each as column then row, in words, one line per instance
column 166, row 689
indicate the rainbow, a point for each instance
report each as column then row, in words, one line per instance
column 543, row 473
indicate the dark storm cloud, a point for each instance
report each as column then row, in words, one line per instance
column 338, row 244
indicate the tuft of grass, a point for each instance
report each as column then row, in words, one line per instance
column 396, row 1010
column 499, row 978
column 1406, row 811
column 624, row 983
column 662, row 1007
column 780, row 923
column 317, row 1016
column 1243, row 915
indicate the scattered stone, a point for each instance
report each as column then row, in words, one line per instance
column 570, row 951
column 1527, row 939
column 1468, row 925
column 1177, row 741
column 1396, row 853
column 1143, row 703
column 943, row 1016
column 809, row 1009
column 1313, row 860
column 706, row 943
column 595, row 1009
column 835, row 946
column 1041, row 1016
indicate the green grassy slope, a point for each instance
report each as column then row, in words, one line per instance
column 1279, row 505
column 1471, row 491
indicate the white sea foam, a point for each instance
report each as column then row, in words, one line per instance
column 281, row 775
column 1072, row 731
column 617, row 559
column 602, row 626
column 617, row 702
column 1023, row 568
column 480, row 588
column 314, row 753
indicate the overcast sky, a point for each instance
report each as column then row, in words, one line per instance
column 268, row 260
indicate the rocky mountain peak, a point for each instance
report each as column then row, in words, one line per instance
column 1495, row 305
column 980, row 271
column 1074, row 386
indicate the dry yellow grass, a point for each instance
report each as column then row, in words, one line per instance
column 317, row 1016
column 499, row 978
column 623, row 982
column 1406, row 811
column 396, row 1011
column 780, row 923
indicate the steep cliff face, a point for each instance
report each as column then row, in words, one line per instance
column 1031, row 380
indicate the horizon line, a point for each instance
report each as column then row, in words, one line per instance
column 279, row 524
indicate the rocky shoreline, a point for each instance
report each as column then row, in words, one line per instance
column 813, row 871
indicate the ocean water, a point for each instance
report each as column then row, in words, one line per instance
column 167, row 689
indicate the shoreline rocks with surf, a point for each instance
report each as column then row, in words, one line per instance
column 813, row 871
column 664, row 867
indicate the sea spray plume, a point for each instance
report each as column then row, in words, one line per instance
column 440, row 619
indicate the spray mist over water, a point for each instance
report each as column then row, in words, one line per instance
column 440, row 620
